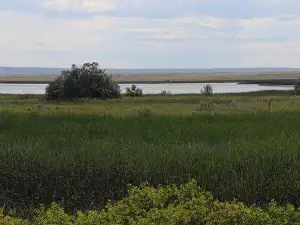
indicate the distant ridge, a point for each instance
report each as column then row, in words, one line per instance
column 54, row 71
column 29, row 70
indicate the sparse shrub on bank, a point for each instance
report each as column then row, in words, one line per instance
column 297, row 87
column 134, row 91
column 207, row 90
column 165, row 93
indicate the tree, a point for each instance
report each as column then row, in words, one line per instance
column 297, row 87
column 88, row 81
column 207, row 90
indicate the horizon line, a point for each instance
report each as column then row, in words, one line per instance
column 165, row 68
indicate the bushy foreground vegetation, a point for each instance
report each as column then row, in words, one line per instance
column 184, row 205
column 82, row 161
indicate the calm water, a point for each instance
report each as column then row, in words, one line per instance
column 153, row 88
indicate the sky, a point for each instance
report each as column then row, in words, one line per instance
column 150, row 33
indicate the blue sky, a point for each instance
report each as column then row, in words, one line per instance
column 150, row 33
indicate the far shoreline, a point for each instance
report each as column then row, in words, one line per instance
column 261, row 78
column 274, row 82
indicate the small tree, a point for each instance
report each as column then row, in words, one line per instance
column 207, row 90
column 297, row 87
column 134, row 91
column 88, row 81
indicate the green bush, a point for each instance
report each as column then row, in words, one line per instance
column 86, row 82
column 207, row 90
column 184, row 205
column 297, row 87
column 134, row 91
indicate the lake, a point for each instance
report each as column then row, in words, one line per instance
column 179, row 88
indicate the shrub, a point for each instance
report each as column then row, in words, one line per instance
column 186, row 204
column 134, row 91
column 86, row 82
column 164, row 93
column 9, row 220
column 207, row 90
column 297, row 87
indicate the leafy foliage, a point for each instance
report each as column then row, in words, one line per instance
column 297, row 87
column 134, row 91
column 207, row 90
column 184, row 205
column 86, row 82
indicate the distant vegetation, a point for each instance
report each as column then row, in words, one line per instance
column 297, row 87
column 134, row 91
column 165, row 92
column 88, row 81
column 207, row 90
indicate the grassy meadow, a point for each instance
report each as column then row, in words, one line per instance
column 81, row 154
column 181, row 105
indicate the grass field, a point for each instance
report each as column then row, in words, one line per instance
column 80, row 154
column 158, row 105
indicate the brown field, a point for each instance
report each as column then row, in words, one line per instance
column 168, row 77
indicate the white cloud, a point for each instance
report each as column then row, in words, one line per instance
column 76, row 5
column 192, row 41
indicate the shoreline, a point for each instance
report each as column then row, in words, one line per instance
column 262, row 78
column 267, row 82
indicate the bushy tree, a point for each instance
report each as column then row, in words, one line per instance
column 88, row 81
column 297, row 87
column 134, row 91
column 207, row 90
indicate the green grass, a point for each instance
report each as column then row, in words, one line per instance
column 159, row 105
column 80, row 154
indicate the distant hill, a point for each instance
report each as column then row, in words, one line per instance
column 53, row 71
column 29, row 70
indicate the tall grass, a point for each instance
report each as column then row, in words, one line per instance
column 81, row 161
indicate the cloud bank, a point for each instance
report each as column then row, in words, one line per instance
column 150, row 34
